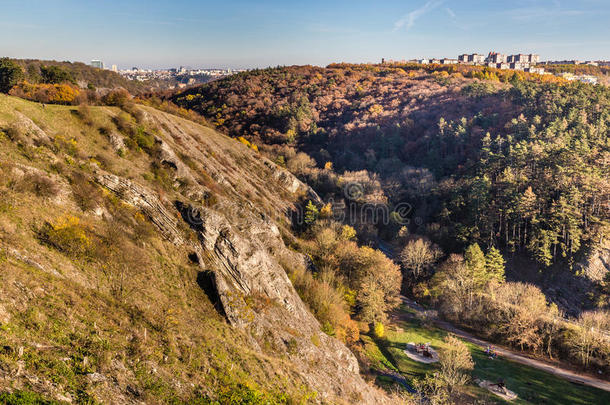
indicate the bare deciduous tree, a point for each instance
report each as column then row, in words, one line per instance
column 589, row 335
column 455, row 364
column 418, row 256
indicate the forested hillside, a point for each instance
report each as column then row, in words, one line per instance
column 531, row 159
column 477, row 181
column 41, row 71
column 469, row 184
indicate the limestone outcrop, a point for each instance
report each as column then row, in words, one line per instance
column 239, row 248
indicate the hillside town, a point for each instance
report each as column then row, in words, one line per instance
column 525, row 62
column 182, row 76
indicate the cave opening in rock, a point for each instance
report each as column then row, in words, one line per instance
column 169, row 164
column 189, row 215
column 207, row 282
column 194, row 258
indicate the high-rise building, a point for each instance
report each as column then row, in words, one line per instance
column 495, row 57
column 115, row 68
column 519, row 58
column 97, row 64
column 476, row 58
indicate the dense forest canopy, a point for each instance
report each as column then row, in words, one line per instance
column 599, row 71
column 512, row 161
column 473, row 179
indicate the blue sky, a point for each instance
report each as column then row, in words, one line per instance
column 240, row 33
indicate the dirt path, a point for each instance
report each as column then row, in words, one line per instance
column 509, row 354
column 516, row 357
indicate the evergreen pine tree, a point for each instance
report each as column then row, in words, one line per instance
column 475, row 263
column 475, row 259
column 311, row 213
column 494, row 265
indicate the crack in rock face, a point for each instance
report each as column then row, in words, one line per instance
column 146, row 201
column 238, row 268
column 243, row 264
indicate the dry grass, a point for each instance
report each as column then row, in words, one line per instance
column 94, row 288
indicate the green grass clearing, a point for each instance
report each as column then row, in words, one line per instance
column 533, row 386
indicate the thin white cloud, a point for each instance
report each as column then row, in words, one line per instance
column 459, row 24
column 408, row 20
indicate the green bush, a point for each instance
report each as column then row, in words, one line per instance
column 244, row 395
column 24, row 398
column 479, row 89
column 144, row 139
column 117, row 98
column 10, row 75
column 160, row 175
column 56, row 75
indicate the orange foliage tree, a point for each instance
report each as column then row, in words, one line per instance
column 46, row 93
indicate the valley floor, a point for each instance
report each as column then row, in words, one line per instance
column 533, row 381
column 555, row 369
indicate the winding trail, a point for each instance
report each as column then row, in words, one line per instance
column 514, row 356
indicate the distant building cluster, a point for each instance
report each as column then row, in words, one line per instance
column 525, row 62
column 97, row 64
column 581, row 78
column 183, row 75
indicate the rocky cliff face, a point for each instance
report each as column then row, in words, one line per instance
column 194, row 214
column 239, row 248
column 597, row 264
column 587, row 275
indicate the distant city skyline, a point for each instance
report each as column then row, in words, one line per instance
column 155, row 34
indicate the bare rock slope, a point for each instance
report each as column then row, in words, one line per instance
column 143, row 255
column 239, row 246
